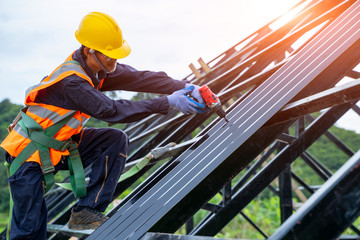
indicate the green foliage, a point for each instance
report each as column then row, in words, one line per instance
column 328, row 154
column 8, row 112
column 263, row 211
column 142, row 96
column 3, row 221
column 96, row 123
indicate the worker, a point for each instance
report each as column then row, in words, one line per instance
column 64, row 101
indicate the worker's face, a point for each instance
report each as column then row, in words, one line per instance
column 107, row 62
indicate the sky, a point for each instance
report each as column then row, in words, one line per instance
column 36, row 36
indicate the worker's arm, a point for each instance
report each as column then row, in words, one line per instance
column 77, row 94
column 128, row 78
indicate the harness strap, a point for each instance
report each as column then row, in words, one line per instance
column 131, row 172
column 135, row 169
column 77, row 178
column 21, row 158
column 42, row 140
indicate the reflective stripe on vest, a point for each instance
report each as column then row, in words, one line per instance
column 20, row 131
column 68, row 67
column 54, row 117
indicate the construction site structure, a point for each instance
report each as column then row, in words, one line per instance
column 273, row 80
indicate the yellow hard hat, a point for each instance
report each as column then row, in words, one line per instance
column 100, row 32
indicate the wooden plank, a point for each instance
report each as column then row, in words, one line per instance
column 204, row 66
column 195, row 71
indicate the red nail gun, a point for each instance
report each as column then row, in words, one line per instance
column 212, row 101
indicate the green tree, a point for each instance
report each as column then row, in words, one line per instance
column 8, row 112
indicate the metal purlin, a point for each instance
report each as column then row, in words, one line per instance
column 266, row 175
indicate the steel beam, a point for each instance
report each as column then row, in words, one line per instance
column 285, row 193
column 255, row 167
column 342, row 146
column 330, row 210
column 328, row 98
column 272, row 170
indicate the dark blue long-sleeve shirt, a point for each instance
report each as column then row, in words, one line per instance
column 76, row 93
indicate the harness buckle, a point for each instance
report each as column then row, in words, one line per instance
column 11, row 127
column 47, row 169
column 66, row 145
column 72, row 146
column 16, row 120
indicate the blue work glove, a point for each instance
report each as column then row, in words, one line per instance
column 195, row 93
column 179, row 101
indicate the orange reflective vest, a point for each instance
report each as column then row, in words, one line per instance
column 48, row 115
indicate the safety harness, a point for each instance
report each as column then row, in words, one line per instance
column 42, row 140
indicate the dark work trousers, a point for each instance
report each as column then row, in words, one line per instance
column 104, row 148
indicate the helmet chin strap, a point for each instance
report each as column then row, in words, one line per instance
column 92, row 52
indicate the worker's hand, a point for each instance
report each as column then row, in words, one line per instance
column 179, row 101
column 195, row 93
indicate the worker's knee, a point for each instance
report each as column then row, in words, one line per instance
column 120, row 136
column 119, row 142
column 103, row 143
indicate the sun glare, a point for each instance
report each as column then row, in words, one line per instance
column 286, row 15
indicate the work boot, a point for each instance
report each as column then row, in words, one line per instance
column 87, row 218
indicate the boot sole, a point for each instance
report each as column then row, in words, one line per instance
column 84, row 226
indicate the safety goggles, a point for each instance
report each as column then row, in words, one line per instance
column 106, row 58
